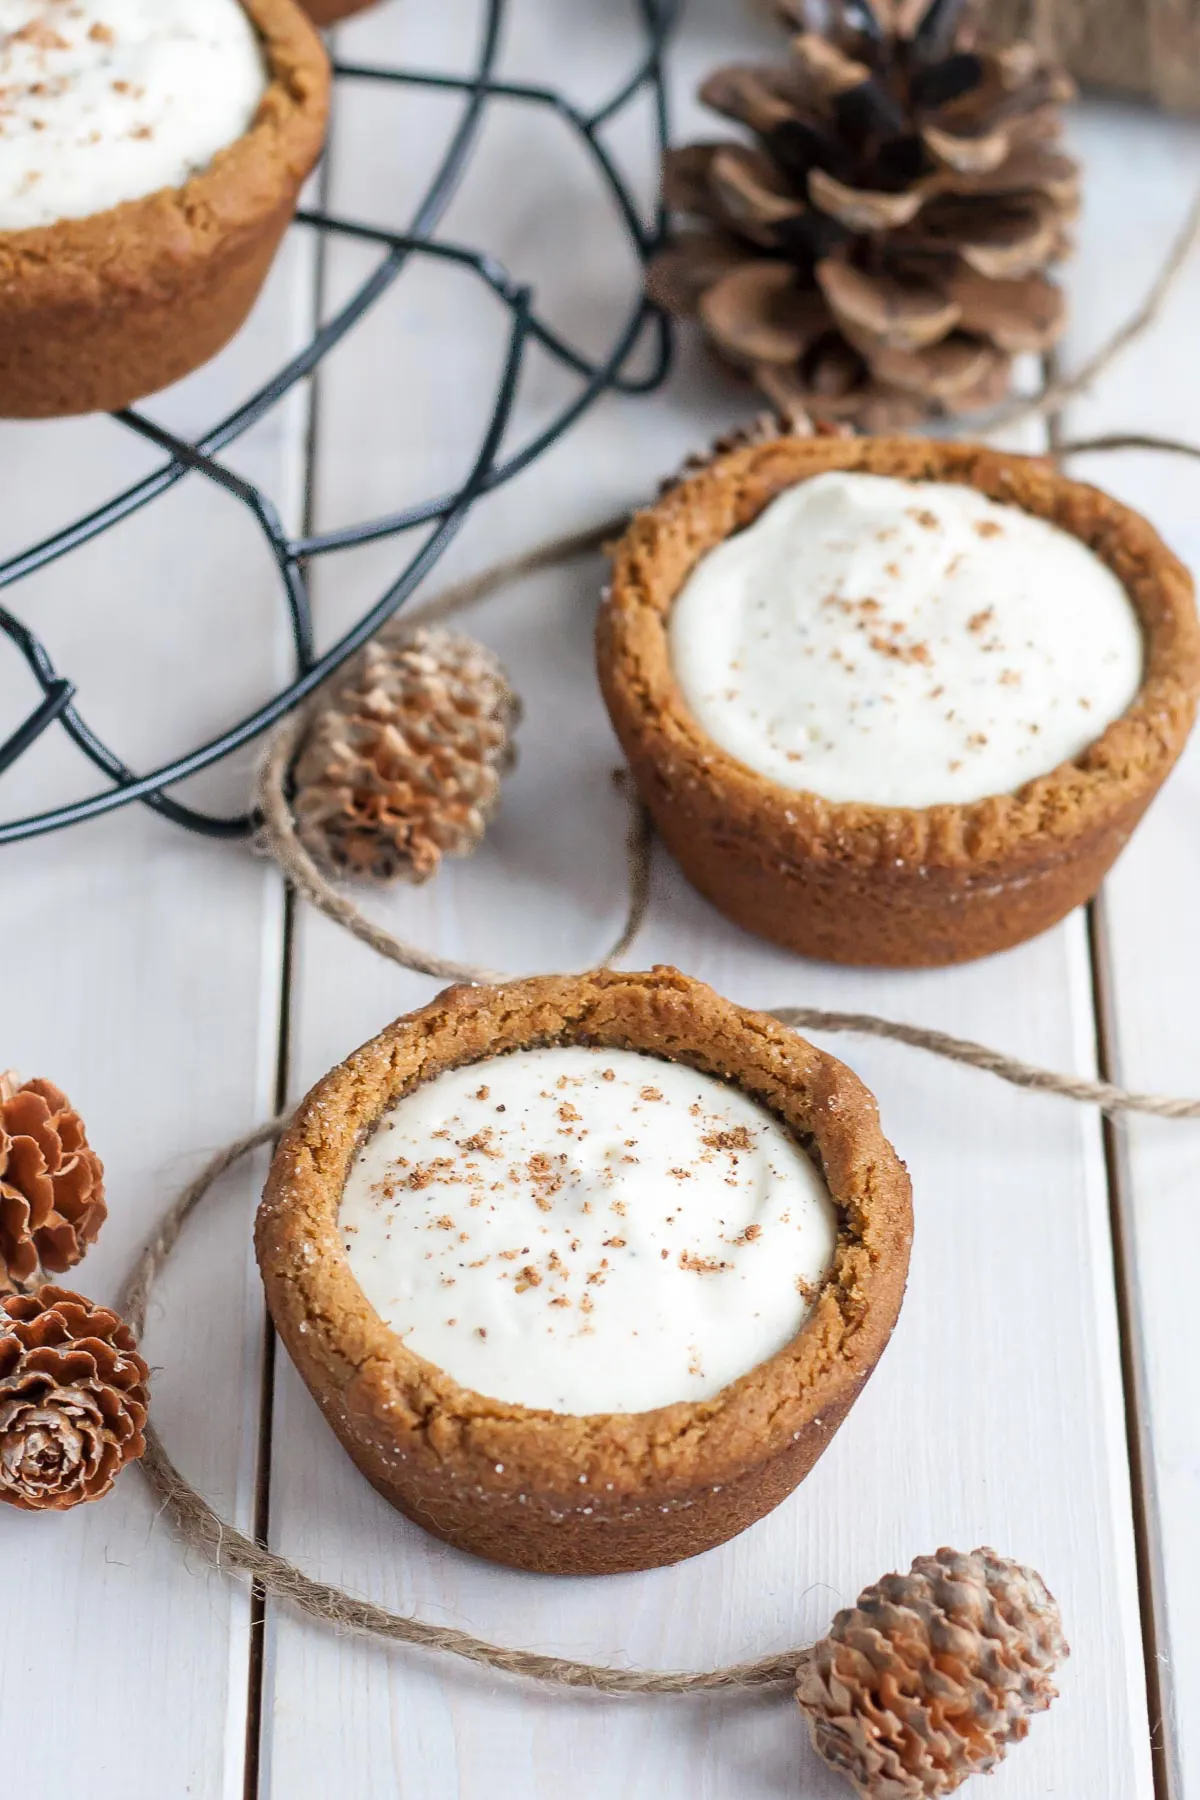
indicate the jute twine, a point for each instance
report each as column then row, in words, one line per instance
column 227, row 1548
column 198, row 1524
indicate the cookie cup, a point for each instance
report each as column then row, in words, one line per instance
column 895, row 886
column 556, row 1492
column 97, row 312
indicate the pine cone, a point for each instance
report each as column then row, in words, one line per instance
column 933, row 1674
column 72, row 1400
column 766, row 428
column 879, row 254
column 51, row 1182
column 403, row 763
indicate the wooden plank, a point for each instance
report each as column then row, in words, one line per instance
column 143, row 974
column 996, row 1415
column 1143, row 172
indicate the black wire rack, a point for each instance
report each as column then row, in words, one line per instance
column 440, row 517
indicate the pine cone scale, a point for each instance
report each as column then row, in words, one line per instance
column 967, row 155
column 754, row 97
column 1031, row 171
column 946, row 370
column 27, row 1118
column 889, row 309
column 752, row 193
column 758, row 312
column 28, row 1168
column 18, row 1256
column 825, row 69
column 48, row 1434
column 862, row 209
column 695, row 261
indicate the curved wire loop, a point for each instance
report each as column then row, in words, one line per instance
column 442, row 516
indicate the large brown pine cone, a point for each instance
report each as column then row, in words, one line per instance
column 51, row 1182
column 402, row 764
column 73, row 1400
column 933, row 1674
column 878, row 253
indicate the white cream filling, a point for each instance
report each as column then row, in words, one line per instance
column 903, row 644
column 587, row 1231
column 103, row 101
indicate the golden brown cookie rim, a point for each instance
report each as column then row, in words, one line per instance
column 1032, row 824
column 344, row 1346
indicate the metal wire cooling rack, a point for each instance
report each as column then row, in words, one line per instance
column 445, row 513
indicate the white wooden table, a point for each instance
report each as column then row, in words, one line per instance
column 1040, row 1392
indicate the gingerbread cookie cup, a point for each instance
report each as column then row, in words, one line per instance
column 869, row 884
column 552, row 1491
column 97, row 312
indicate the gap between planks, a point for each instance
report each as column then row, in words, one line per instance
column 256, row 1664
column 1147, row 1533
column 1146, row 1536
column 1143, row 1511
column 256, row 1668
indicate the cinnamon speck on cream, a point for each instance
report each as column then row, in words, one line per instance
column 856, row 606
column 105, row 101
column 726, row 1234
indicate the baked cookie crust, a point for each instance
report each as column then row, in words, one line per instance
column 903, row 887
column 97, row 312
column 600, row 1493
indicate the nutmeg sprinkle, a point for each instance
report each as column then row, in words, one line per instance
column 903, row 643
column 726, row 1230
column 106, row 101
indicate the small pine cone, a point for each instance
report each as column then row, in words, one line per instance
column 402, row 764
column 73, row 1400
column 933, row 1674
column 51, row 1182
column 876, row 249
column 766, row 428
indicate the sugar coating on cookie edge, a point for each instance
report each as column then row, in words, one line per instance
column 105, row 101
column 899, row 643
column 587, row 1231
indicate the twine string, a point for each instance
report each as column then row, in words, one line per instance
column 201, row 1527
column 1125, row 440
column 279, row 838
column 197, row 1523
column 1105, row 1094
column 231, row 1550
column 1059, row 389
